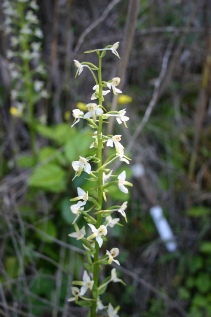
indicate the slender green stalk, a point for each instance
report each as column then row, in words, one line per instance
column 100, row 189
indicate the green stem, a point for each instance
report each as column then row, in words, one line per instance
column 100, row 188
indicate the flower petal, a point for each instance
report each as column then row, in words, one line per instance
column 76, row 165
column 87, row 168
column 123, row 188
column 94, row 230
column 110, row 142
column 99, row 241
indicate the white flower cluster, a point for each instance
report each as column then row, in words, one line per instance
column 24, row 52
column 96, row 116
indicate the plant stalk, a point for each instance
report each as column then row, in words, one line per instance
column 100, row 189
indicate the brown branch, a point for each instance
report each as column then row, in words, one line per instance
column 95, row 24
column 165, row 78
column 153, row 289
column 129, row 32
column 155, row 96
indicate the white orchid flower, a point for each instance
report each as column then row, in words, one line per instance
column 97, row 233
column 93, row 111
column 76, row 208
column 120, row 154
column 112, row 85
column 100, row 305
column 115, row 140
column 114, row 277
column 112, row 254
column 106, row 176
column 111, row 311
column 80, row 67
column 95, row 95
column 81, row 165
column 122, row 182
column 76, row 293
column 121, row 117
column 77, row 114
column 78, row 234
column 87, row 283
column 114, row 49
column 82, row 194
column 122, row 210
column 111, row 222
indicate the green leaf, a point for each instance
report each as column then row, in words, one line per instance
column 60, row 133
column 198, row 211
column 199, row 300
column 67, row 215
column 184, row 294
column 77, row 145
column 83, row 303
column 89, row 267
column 102, row 289
column 50, row 177
column 205, row 247
column 196, row 263
column 63, row 133
column 190, row 282
column 42, row 285
column 52, row 155
column 12, row 266
column 45, row 131
column 25, row 161
column 49, row 231
column 203, row 282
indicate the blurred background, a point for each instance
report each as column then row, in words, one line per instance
column 165, row 70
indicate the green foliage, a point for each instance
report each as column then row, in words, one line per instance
column 50, row 177
column 47, row 231
column 196, row 284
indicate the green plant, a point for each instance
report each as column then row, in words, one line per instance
column 90, row 203
column 24, row 54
